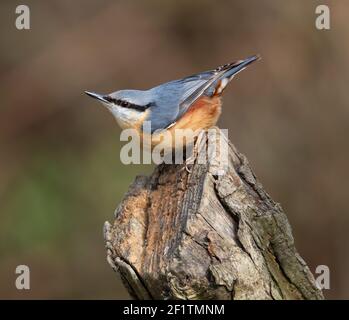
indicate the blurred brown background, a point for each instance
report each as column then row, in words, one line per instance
column 61, row 176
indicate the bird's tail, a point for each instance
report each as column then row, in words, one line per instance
column 230, row 71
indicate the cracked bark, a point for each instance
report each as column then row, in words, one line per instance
column 199, row 235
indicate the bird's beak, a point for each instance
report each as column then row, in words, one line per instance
column 97, row 96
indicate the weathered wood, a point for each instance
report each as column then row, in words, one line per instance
column 198, row 235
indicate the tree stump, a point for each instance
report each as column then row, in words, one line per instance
column 199, row 235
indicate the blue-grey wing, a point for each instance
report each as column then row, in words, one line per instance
column 208, row 81
column 174, row 98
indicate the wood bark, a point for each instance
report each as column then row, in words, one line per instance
column 199, row 235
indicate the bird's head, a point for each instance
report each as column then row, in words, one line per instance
column 129, row 107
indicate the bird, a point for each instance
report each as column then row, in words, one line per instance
column 193, row 102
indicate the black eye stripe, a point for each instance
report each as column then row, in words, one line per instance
column 126, row 104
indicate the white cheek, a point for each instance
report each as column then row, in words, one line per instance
column 125, row 118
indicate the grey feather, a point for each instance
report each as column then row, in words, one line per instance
column 174, row 98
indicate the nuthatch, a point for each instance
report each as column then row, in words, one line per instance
column 190, row 103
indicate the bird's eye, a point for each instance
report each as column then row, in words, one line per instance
column 129, row 105
column 123, row 103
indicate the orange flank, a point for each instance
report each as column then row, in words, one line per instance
column 202, row 115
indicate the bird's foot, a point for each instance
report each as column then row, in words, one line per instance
column 198, row 147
